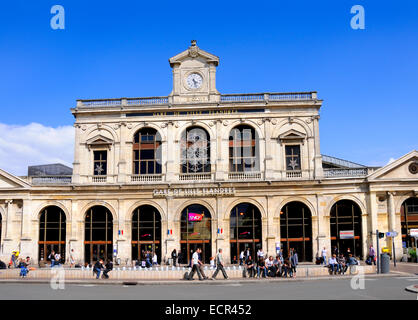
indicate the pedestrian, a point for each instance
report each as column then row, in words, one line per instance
column 247, row 253
column 294, row 261
column 270, row 267
column 13, row 260
column 260, row 254
column 148, row 259
column 277, row 266
column 241, row 258
column 97, row 269
column 155, row 260
column 57, row 259
column 261, row 267
column 108, row 268
column 324, row 256
column 250, row 267
column 174, row 257
column 372, row 254
column 195, row 265
column 219, row 265
column 52, row 258
column 72, row 258
column 341, row 263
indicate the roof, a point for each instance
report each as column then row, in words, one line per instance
column 341, row 162
column 55, row 169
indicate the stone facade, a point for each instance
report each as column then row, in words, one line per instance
column 279, row 120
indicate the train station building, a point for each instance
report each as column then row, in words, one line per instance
column 200, row 168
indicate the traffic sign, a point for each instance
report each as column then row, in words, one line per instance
column 391, row 234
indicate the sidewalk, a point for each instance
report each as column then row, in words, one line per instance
column 221, row 281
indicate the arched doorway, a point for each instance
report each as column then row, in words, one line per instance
column 98, row 234
column 296, row 230
column 245, row 230
column 146, row 232
column 196, row 232
column 345, row 215
column 409, row 220
column 52, row 232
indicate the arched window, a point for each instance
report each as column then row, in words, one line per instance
column 147, row 152
column 346, row 216
column 146, row 232
column 195, row 150
column 98, row 234
column 245, row 230
column 243, row 149
column 296, row 230
column 196, row 232
column 52, row 232
column 409, row 220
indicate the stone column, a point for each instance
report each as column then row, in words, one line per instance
column 318, row 171
column 27, row 246
column 8, row 243
column 268, row 161
column 393, row 226
column 9, row 215
column 372, row 220
column 171, row 151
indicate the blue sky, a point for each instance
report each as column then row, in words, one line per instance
column 367, row 78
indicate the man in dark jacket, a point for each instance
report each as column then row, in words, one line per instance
column 97, row 269
column 108, row 268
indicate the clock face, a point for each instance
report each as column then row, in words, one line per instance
column 194, row 81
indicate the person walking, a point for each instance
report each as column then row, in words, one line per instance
column 241, row 258
column 372, row 254
column 219, row 265
column 294, row 261
column 324, row 256
column 72, row 259
column 195, row 265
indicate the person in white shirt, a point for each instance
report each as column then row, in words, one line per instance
column 324, row 255
column 154, row 259
column 57, row 258
column 195, row 265
column 241, row 258
column 260, row 253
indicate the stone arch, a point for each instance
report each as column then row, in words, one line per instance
column 346, row 197
column 253, row 124
column 140, row 126
column 151, row 203
column 203, row 125
column 37, row 213
column 90, row 132
column 254, row 202
column 282, row 123
column 399, row 202
column 202, row 202
column 103, row 204
column 296, row 199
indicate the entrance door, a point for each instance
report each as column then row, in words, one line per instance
column 96, row 250
column 187, row 250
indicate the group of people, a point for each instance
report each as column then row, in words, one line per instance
column 197, row 266
column 99, row 267
column 55, row 258
column 338, row 263
column 148, row 259
column 270, row 267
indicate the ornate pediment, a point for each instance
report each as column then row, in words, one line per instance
column 292, row 135
column 99, row 141
column 405, row 168
column 9, row 181
column 194, row 52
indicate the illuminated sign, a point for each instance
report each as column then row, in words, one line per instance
column 195, row 216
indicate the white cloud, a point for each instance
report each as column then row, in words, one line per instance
column 390, row 160
column 34, row 144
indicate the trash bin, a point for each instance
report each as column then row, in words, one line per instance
column 384, row 263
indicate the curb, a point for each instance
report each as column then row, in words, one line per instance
column 413, row 288
column 134, row 282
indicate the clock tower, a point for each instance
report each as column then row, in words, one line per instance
column 194, row 76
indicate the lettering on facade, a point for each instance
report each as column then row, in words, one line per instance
column 193, row 192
